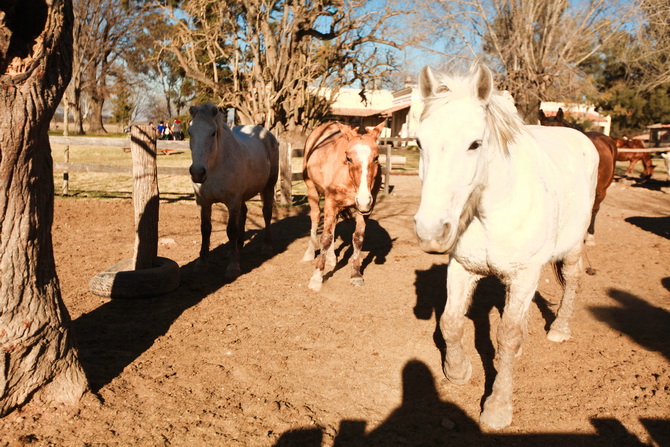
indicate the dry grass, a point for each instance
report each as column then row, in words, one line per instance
column 172, row 187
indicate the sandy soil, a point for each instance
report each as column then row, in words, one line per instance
column 262, row 361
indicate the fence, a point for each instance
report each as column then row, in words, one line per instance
column 286, row 154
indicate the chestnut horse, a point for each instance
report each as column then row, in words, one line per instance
column 634, row 157
column 607, row 154
column 230, row 166
column 343, row 167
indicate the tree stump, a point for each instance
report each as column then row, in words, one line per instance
column 146, row 274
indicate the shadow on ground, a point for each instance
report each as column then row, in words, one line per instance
column 112, row 336
column 627, row 313
column 660, row 226
column 423, row 419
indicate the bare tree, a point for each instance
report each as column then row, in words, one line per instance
column 535, row 45
column 38, row 359
column 266, row 57
column 104, row 30
column 651, row 54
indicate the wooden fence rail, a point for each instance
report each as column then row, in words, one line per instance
column 286, row 177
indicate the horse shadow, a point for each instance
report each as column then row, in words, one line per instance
column 112, row 336
column 644, row 323
column 651, row 184
column 424, row 419
column 377, row 244
column 660, row 226
column 489, row 294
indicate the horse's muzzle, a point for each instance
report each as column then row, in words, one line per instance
column 198, row 174
column 434, row 240
column 364, row 208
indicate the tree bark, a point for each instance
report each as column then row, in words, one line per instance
column 37, row 355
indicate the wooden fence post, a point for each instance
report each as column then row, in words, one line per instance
column 285, row 168
column 387, row 171
column 145, row 196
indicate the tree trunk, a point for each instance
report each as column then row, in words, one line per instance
column 95, row 124
column 37, row 357
column 97, row 97
column 77, row 116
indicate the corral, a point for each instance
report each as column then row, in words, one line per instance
column 263, row 361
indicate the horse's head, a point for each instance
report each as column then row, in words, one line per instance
column 203, row 132
column 462, row 122
column 362, row 160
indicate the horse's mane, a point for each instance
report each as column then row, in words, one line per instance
column 503, row 120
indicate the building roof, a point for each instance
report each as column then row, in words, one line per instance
column 389, row 111
column 351, row 111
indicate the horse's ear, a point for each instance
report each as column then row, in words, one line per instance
column 193, row 110
column 215, row 111
column 377, row 130
column 541, row 115
column 426, row 82
column 559, row 115
column 483, row 82
column 347, row 131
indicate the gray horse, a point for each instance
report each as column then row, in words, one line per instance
column 231, row 167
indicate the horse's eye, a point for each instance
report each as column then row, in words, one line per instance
column 213, row 134
column 348, row 159
column 475, row 145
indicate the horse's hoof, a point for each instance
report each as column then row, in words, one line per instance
column 460, row 375
column 358, row 281
column 315, row 284
column 590, row 240
column 307, row 257
column 496, row 416
column 316, row 281
column 558, row 336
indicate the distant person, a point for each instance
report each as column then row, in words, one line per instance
column 167, row 133
column 176, row 130
column 161, row 130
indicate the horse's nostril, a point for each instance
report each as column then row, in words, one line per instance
column 198, row 173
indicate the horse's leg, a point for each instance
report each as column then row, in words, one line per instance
column 268, row 200
column 357, row 242
column 205, row 232
column 242, row 225
column 331, row 257
column 590, row 239
column 314, row 213
column 460, row 287
column 571, row 269
column 329, row 218
column 521, row 287
column 233, row 231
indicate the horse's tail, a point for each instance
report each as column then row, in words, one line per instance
column 557, row 267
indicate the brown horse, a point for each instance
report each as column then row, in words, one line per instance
column 607, row 153
column 342, row 166
column 634, row 157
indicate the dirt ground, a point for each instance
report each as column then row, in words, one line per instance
column 263, row 361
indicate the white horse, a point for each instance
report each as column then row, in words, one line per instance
column 502, row 199
column 231, row 167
